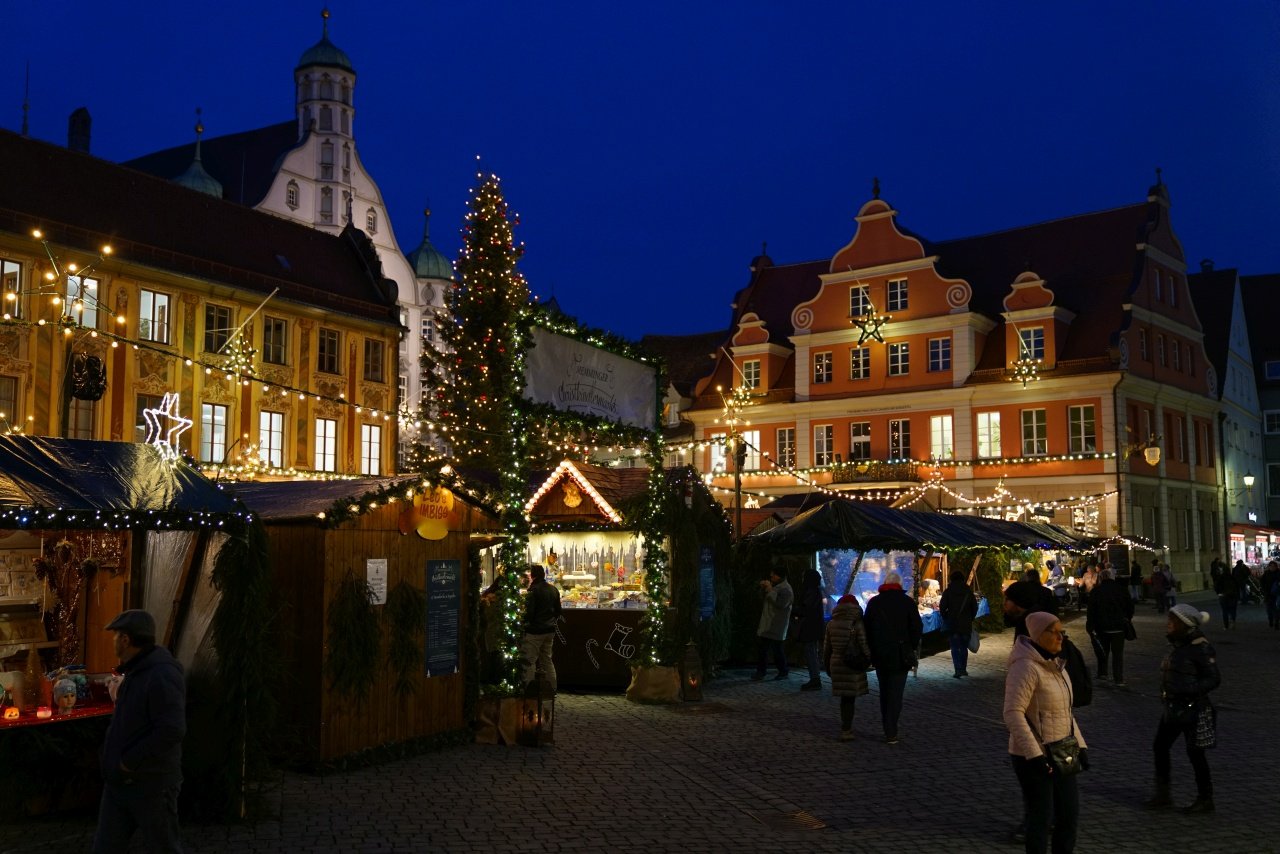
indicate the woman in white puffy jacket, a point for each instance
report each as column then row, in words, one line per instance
column 1037, row 711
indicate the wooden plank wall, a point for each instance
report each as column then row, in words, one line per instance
column 309, row 563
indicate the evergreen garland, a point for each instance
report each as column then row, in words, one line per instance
column 406, row 617
column 354, row 638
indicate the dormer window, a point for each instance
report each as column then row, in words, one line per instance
column 751, row 373
column 1032, row 342
column 371, row 222
column 291, row 195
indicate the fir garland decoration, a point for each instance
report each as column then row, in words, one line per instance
column 406, row 617
column 354, row 639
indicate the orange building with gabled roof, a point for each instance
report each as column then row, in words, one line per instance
column 1027, row 368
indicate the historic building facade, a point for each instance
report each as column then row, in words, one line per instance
column 1031, row 371
column 279, row 340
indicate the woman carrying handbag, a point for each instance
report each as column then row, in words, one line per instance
column 1045, row 742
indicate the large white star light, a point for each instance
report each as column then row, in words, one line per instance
column 165, row 425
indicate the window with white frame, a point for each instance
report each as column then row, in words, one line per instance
column 941, row 438
column 751, row 441
column 371, row 221
column 328, row 351
column 751, row 373
column 939, row 354
column 291, row 195
column 1032, row 342
column 142, row 403
column 217, row 327
column 823, row 445
column 897, row 295
column 719, row 453
column 859, row 301
column 860, row 363
column 271, row 438
column 370, row 449
column 1271, row 420
column 326, row 444
column 275, row 340
column 82, row 298
column 899, row 439
column 1035, row 433
column 402, row 389
column 428, row 328
column 213, row 432
column 153, row 316
column 899, row 359
column 11, row 284
column 1081, row 438
column 988, row 435
column 373, row 360
column 1273, row 480
column 786, row 438
column 82, row 418
column 822, row 367
column 860, row 440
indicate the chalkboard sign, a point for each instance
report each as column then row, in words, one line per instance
column 443, row 605
column 706, row 583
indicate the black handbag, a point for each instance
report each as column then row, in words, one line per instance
column 854, row 657
column 1063, row 754
column 1130, row 633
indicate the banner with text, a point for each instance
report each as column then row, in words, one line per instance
column 576, row 377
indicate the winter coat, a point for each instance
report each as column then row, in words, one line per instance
column 893, row 626
column 1159, row 582
column 1190, row 670
column 959, row 608
column 1135, row 575
column 846, row 625
column 1109, row 608
column 776, row 612
column 811, row 622
column 1226, row 586
column 1241, row 574
column 1270, row 580
column 1037, row 692
column 149, row 721
column 541, row 609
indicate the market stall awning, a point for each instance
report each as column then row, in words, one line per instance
column 68, row 476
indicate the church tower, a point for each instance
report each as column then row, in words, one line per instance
column 326, row 82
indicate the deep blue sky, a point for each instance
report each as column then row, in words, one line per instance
column 650, row 148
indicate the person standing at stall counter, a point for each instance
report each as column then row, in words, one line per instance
column 142, row 754
column 541, row 612
column 775, row 616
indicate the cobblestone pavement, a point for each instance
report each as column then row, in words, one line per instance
column 757, row 768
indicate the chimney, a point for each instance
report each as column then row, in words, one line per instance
column 1206, row 265
column 78, row 130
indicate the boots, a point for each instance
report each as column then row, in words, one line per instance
column 1162, row 799
column 1202, row 804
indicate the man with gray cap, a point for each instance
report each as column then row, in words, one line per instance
column 142, row 754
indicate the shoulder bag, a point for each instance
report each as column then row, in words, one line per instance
column 854, row 657
column 1130, row 633
column 1063, row 754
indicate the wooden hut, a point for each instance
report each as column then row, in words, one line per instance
column 386, row 532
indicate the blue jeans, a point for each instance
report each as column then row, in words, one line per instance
column 1044, row 794
column 960, row 654
column 763, row 647
column 893, row 684
column 150, row 809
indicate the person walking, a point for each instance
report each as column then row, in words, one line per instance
column 893, row 634
column 810, row 630
column 1106, row 621
column 1187, row 675
column 1159, row 587
column 846, row 627
column 1271, row 593
column 958, row 608
column 1037, row 713
column 1135, row 581
column 771, row 631
column 541, row 614
column 1228, row 590
column 142, row 753
column 1243, row 579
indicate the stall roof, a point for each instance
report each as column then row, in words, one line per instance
column 304, row 500
column 68, row 476
column 862, row 526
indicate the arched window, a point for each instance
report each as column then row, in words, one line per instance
column 303, row 89
column 326, row 118
column 346, row 92
column 291, row 195
column 326, row 205
column 371, row 221
column 326, row 161
column 326, row 88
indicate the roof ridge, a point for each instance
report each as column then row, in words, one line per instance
column 1052, row 221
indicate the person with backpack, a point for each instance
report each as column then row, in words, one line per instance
column 1271, row 593
column 1187, row 675
column 847, row 657
column 958, row 607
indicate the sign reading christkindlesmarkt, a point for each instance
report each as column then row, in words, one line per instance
column 576, row 377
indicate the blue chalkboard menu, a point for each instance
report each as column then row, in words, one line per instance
column 444, row 578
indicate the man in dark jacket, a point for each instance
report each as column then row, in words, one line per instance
column 958, row 607
column 1107, row 620
column 541, row 614
column 893, row 633
column 142, row 754
column 1244, row 581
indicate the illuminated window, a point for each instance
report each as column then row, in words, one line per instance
column 859, row 301
column 899, row 439
column 1035, row 433
column 213, row 433
column 719, row 454
column 860, row 363
column 860, row 440
column 1080, row 426
column 326, row 444
column 898, row 295
column 988, row 435
column 82, row 299
column 1032, row 342
column 370, row 449
column 899, row 359
column 751, row 373
column 153, row 317
column 822, row 367
column 428, row 328
column 291, row 195
column 823, row 441
column 787, row 446
column 941, row 443
column 271, row 438
column 751, row 441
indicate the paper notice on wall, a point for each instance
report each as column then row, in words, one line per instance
column 376, row 575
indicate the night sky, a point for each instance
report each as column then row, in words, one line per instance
column 651, row 148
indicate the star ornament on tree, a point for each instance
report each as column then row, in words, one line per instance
column 165, row 425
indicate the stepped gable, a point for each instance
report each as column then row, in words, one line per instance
column 82, row 201
column 244, row 163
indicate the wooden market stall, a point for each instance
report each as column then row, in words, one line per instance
column 586, row 532
column 410, row 543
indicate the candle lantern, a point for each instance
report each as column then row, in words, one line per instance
column 537, row 716
column 691, row 674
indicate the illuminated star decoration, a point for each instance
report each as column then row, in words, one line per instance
column 164, row 436
column 1024, row 368
column 870, row 324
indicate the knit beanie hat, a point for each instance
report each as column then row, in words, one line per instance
column 1021, row 593
column 1037, row 622
column 1190, row 615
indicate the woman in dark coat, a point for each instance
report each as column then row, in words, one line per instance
column 1187, row 675
column 811, row 626
column 958, row 608
column 846, row 627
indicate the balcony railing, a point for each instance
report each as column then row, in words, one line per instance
column 874, row 471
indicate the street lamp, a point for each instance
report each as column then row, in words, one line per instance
column 738, row 399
